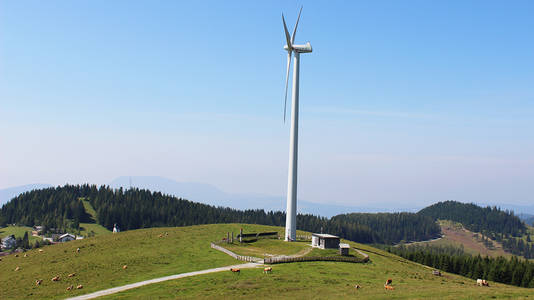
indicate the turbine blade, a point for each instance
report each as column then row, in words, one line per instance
column 295, row 29
column 287, row 81
column 288, row 39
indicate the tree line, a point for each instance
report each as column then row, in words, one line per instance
column 514, row 271
column 62, row 207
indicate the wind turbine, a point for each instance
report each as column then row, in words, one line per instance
column 296, row 50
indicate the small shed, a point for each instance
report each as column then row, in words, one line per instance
column 344, row 249
column 325, row 241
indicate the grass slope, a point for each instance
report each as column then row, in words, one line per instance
column 18, row 231
column 328, row 280
column 99, row 263
column 184, row 249
column 93, row 228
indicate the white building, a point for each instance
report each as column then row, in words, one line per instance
column 66, row 237
column 9, row 242
column 325, row 241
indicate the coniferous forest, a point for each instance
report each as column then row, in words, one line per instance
column 512, row 271
column 498, row 225
column 489, row 220
column 62, row 208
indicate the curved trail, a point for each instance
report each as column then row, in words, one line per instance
column 160, row 279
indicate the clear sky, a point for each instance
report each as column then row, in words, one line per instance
column 407, row 102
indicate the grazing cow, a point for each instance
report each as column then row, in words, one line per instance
column 267, row 270
column 78, row 250
column 79, row 286
column 25, row 255
column 72, row 274
column 55, row 278
column 17, row 268
column 124, row 267
column 389, row 287
column 69, row 288
column 161, row 235
column 16, row 255
column 482, row 282
column 357, row 286
column 38, row 281
column 235, row 270
column 41, row 250
column 388, row 282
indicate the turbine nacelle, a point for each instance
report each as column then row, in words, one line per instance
column 300, row 48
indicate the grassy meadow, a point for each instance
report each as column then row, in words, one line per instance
column 157, row 252
column 328, row 280
column 99, row 263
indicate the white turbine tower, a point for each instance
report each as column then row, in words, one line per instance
column 291, row 211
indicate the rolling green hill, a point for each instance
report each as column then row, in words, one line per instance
column 70, row 207
column 99, row 263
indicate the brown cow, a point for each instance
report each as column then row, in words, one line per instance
column 69, row 288
column 55, row 278
column 72, row 274
column 235, row 270
column 79, row 286
column 38, row 281
column 267, row 270
column 17, row 268
column 124, row 267
column 389, row 287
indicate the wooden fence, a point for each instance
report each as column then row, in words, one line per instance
column 236, row 256
column 280, row 260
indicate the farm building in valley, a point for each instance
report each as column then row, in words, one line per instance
column 9, row 242
column 325, row 241
column 66, row 238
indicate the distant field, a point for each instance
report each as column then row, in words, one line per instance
column 18, row 231
column 456, row 235
column 86, row 228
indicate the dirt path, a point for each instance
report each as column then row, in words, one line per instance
column 156, row 280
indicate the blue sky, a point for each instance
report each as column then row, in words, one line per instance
column 407, row 102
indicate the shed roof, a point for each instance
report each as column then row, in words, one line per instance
column 344, row 245
column 67, row 235
column 325, row 235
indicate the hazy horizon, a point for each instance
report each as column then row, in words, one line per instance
column 411, row 102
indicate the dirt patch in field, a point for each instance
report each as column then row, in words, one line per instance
column 460, row 235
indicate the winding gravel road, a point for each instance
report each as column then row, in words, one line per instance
column 160, row 279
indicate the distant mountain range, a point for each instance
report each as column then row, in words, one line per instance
column 209, row 194
column 527, row 218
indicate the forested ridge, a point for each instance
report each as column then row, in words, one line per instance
column 62, row 208
column 501, row 226
column 490, row 220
